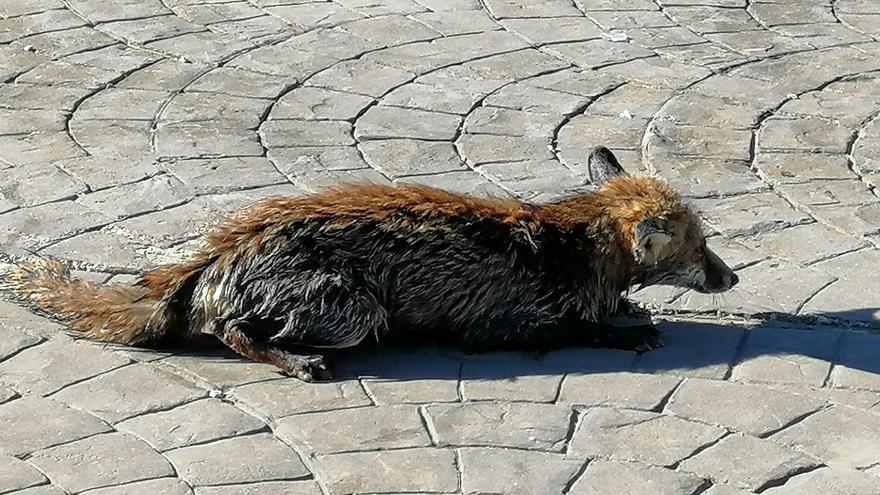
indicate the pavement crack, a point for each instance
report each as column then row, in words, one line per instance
column 794, row 421
column 675, row 465
column 661, row 406
column 786, row 478
column 428, row 424
column 810, row 297
column 577, row 476
column 573, row 421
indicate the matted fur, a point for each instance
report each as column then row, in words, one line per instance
column 330, row 269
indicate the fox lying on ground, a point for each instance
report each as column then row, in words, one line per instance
column 371, row 262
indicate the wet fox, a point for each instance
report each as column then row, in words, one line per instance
column 359, row 262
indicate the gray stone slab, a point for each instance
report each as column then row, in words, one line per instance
column 312, row 103
column 15, row 341
column 18, row 475
column 403, row 471
column 747, row 462
column 312, row 15
column 403, row 157
column 263, row 488
column 507, row 122
column 530, row 98
column 703, row 177
column 154, row 194
column 101, row 172
column 7, row 394
column 856, row 362
column 515, row 472
column 294, row 160
column 791, row 244
column 358, row 429
column 404, row 376
column 221, row 175
column 641, row 101
column 617, row 389
column 109, row 396
column 38, row 147
column 201, row 47
column 592, row 54
column 485, row 148
column 41, row 490
column 206, row 140
column 451, row 22
column 382, row 122
column 772, row 15
column 849, row 297
column 646, row 437
column 122, row 103
column 721, row 403
column 787, row 356
column 603, row 476
column 706, row 19
column 252, row 458
column 514, row 425
column 284, row 133
column 697, row 140
column 750, row 214
column 39, row 97
column 165, row 486
column 514, row 378
column 72, row 465
column 664, row 72
column 861, row 399
column 803, row 134
column 694, row 350
column 235, row 111
column 193, row 423
column 361, row 76
column 112, row 137
column 35, row 226
column 279, row 398
column 46, row 368
column 391, row 30
column 20, row 121
column 164, row 75
column 832, row 481
column 535, row 181
column 554, row 30
column 219, row 370
column 434, row 96
column 142, row 31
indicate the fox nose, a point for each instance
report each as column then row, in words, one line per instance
column 734, row 279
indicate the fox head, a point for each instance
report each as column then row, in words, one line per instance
column 662, row 234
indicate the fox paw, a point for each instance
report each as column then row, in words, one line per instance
column 651, row 339
column 306, row 368
column 638, row 338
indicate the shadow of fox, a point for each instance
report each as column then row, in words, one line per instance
column 358, row 262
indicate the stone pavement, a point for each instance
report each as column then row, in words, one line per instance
column 126, row 126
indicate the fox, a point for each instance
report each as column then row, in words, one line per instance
column 289, row 278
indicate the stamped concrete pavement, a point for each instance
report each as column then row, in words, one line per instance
column 128, row 126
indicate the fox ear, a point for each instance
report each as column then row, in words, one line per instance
column 652, row 239
column 603, row 165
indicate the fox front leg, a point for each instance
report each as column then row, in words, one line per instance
column 568, row 332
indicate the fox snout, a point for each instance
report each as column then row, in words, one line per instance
column 719, row 276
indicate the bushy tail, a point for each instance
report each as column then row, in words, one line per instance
column 146, row 313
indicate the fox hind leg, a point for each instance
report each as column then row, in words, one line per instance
column 307, row 368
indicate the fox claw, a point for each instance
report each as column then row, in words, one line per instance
column 307, row 368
